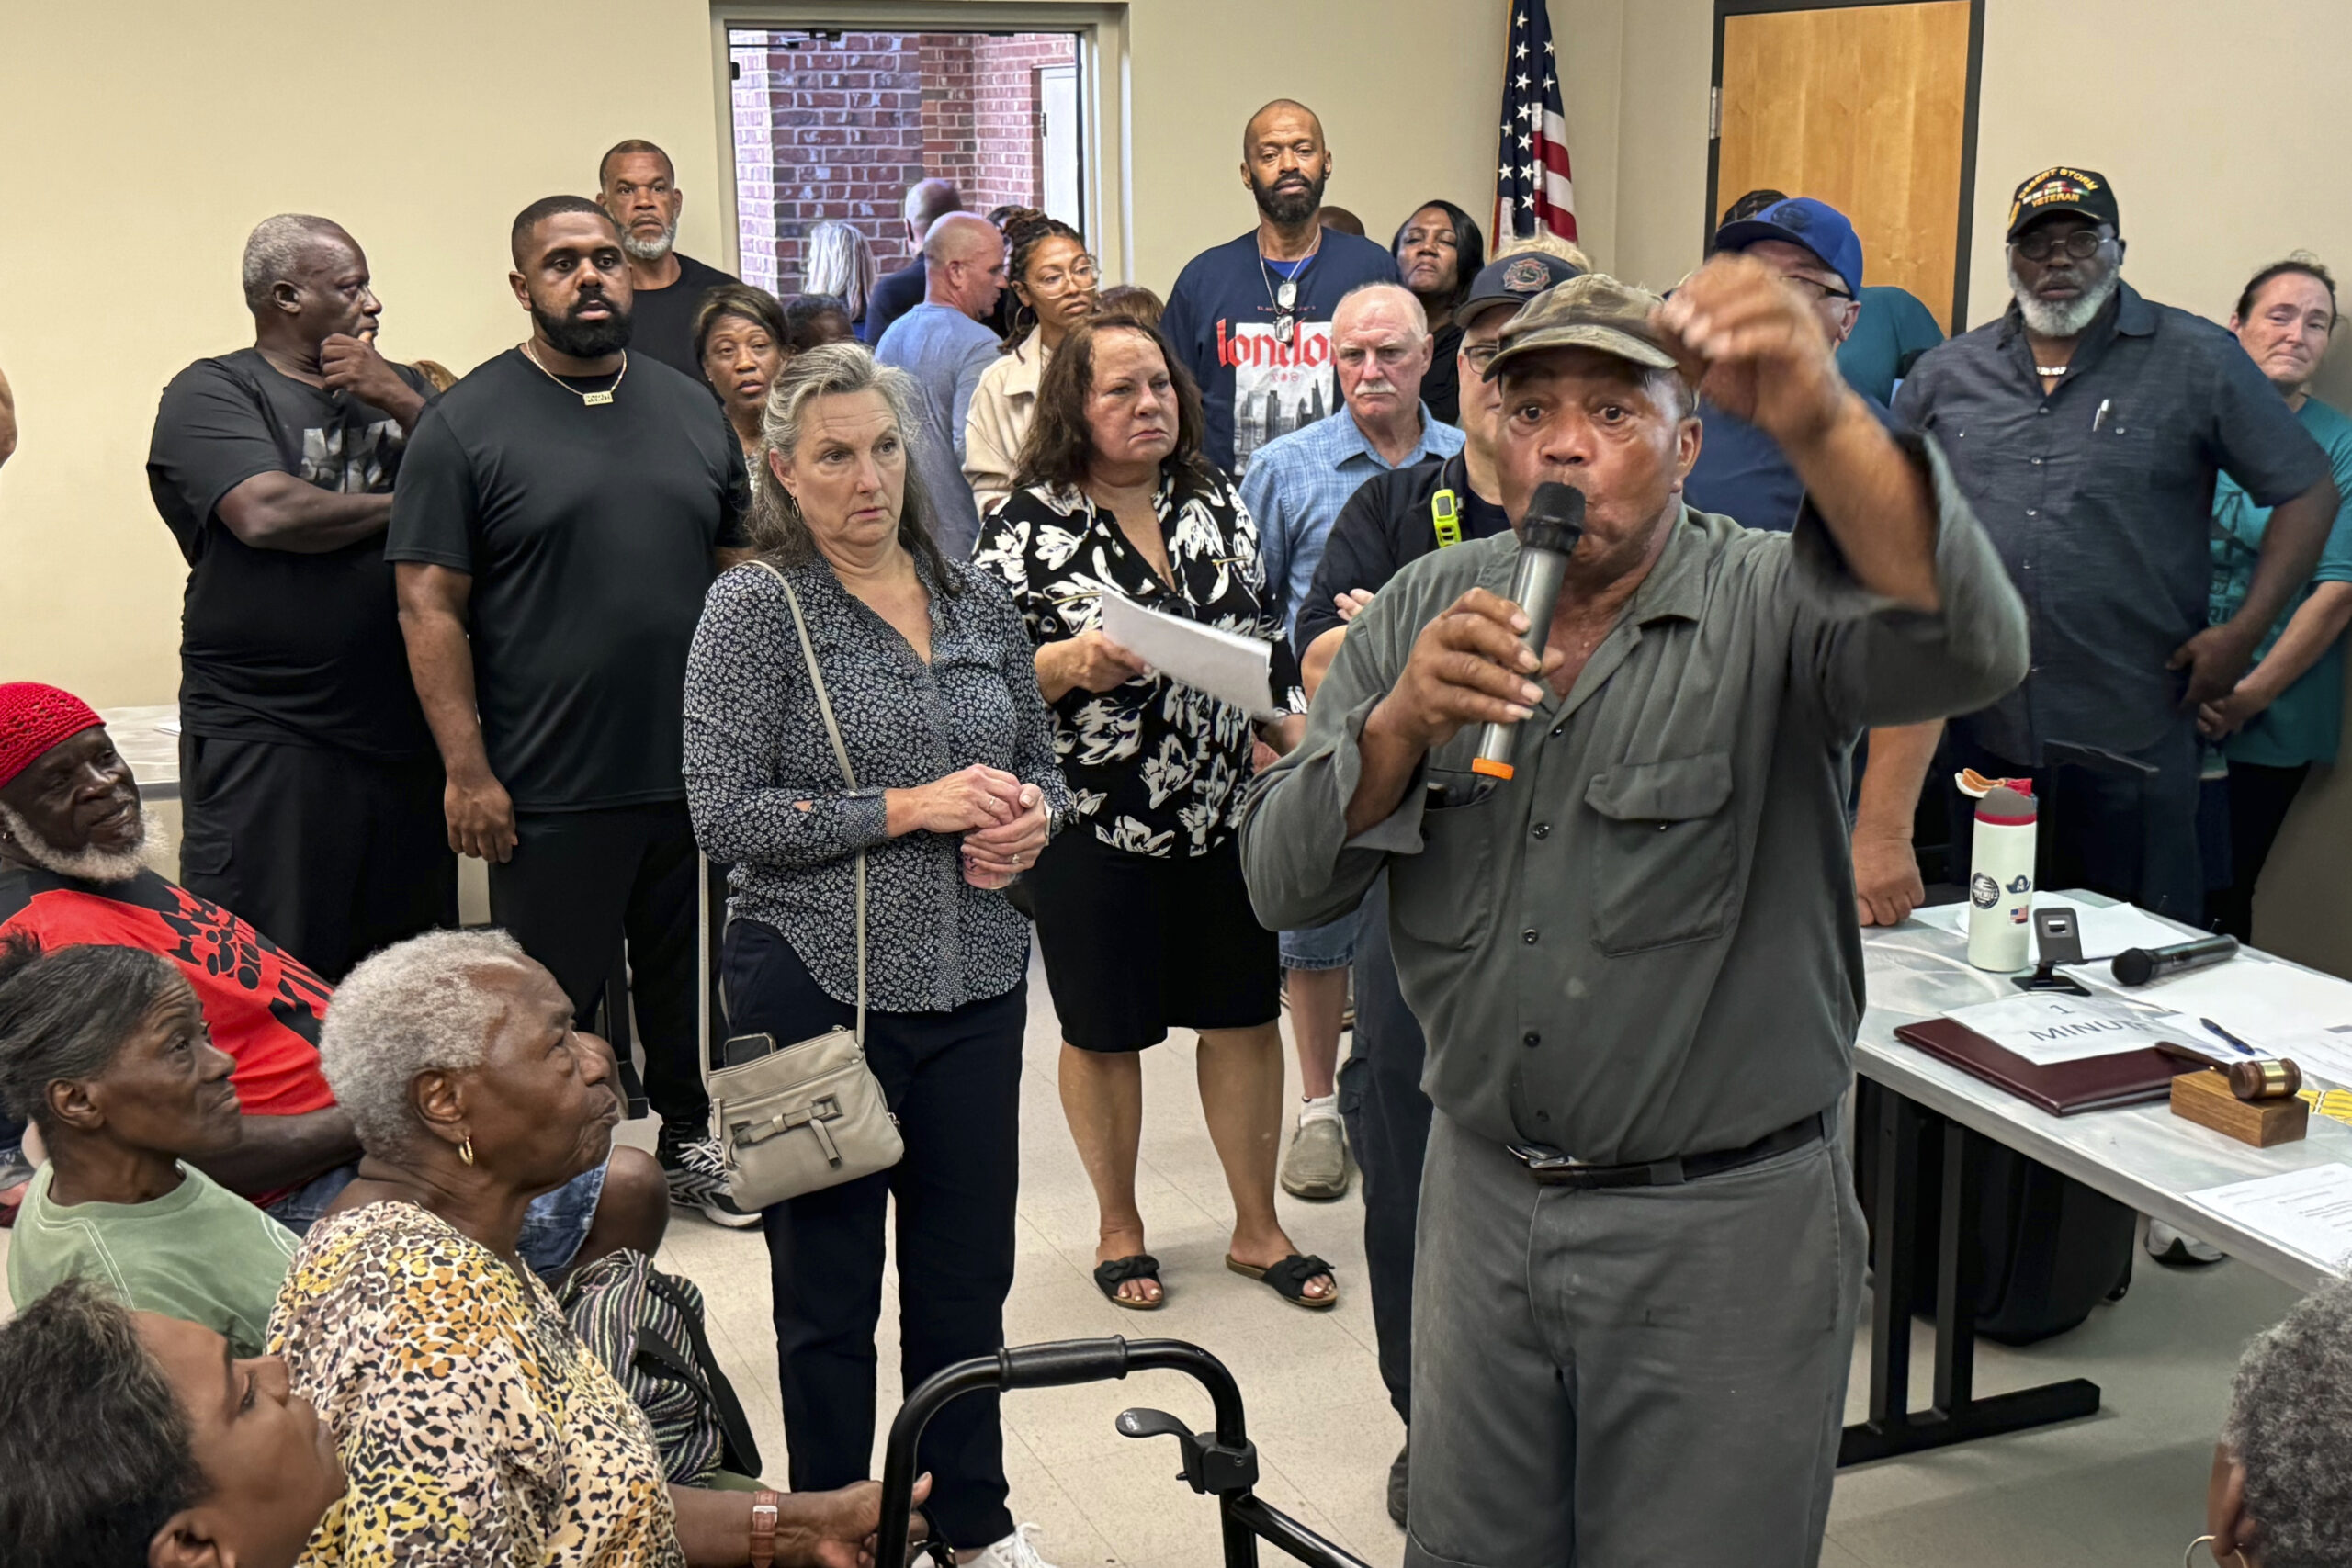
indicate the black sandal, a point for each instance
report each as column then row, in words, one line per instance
column 1110, row 1276
column 1288, row 1279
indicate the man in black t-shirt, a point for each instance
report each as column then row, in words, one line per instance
column 561, row 512
column 638, row 185
column 309, row 785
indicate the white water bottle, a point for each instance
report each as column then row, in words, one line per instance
column 2000, row 880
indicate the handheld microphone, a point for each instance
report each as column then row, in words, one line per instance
column 2138, row 965
column 1547, row 536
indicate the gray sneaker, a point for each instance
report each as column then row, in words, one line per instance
column 2170, row 1248
column 1315, row 1165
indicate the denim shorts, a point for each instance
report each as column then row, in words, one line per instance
column 1331, row 946
column 553, row 1226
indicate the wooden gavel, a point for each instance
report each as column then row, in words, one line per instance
column 2262, row 1078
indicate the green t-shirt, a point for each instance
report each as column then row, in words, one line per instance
column 2303, row 724
column 200, row 1253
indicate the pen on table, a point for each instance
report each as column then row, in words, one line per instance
column 2220, row 1034
column 2100, row 418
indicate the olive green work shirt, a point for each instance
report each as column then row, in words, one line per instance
column 1644, row 946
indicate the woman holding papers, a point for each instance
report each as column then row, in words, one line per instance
column 1141, row 911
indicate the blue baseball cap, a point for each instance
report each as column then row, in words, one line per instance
column 1801, row 220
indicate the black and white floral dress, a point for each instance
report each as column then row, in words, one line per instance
column 1154, row 767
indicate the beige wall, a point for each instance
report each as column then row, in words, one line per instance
column 161, row 130
column 151, row 135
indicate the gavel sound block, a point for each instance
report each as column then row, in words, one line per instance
column 2205, row 1098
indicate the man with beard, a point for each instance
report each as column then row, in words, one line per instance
column 311, row 791
column 2086, row 427
column 74, row 842
column 561, row 512
column 1380, row 341
column 639, row 186
column 1251, row 319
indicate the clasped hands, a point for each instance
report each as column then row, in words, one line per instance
column 1004, row 821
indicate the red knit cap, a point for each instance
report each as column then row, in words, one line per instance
column 33, row 719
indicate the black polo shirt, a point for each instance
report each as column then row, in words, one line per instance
column 1387, row 525
column 2099, row 498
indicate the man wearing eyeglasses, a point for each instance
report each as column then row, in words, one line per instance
column 2086, row 427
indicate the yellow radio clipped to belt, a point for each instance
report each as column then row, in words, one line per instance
column 1445, row 516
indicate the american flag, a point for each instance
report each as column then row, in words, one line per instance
column 1532, row 188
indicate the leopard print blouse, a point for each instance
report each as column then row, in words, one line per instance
column 474, row 1427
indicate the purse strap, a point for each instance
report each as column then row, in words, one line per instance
column 840, row 755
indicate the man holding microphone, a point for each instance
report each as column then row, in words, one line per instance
column 1640, row 1257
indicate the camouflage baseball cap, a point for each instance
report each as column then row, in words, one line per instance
column 1593, row 311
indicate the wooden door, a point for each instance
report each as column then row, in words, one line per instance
column 1865, row 107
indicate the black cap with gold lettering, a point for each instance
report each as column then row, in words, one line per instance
column 2064, row 190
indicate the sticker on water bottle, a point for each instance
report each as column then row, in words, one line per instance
column 1983, row 891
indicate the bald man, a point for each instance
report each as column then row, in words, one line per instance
column 928, row 201
column 1251, row 319
column 943, row 345
column 637, row 187
column 1297, row 485
column 311, row 788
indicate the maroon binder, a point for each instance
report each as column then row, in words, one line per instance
column 2094, row 1083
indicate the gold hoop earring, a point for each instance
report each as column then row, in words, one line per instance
column 466, row 1151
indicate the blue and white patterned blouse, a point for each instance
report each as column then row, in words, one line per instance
column 756, row 751
column 1155, row 768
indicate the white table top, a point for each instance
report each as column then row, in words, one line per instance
column 154, row 755
column 2142, row 1155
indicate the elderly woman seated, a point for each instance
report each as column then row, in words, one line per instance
column 2282, row 1491
column 104, row 1049
column 127, row 1437
column 474, row 1424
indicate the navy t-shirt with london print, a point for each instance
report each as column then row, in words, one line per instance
column 1220, row 318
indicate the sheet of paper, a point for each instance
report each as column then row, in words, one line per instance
column 2310, row 1210
column 2105, row 932
column 168, row 727
column 1222, row 663
column 2049, row 1027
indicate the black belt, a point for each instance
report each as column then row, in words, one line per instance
column 1550, row 1168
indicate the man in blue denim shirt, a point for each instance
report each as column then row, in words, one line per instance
column 2086, row 427
column 1295, row 489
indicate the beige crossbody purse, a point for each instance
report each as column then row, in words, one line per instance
column 808, row 1116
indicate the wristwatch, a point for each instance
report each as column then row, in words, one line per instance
column 764, row 1518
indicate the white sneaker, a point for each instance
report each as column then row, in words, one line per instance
column 697, row 1179
column 2167, row 1246
column 1012, row 1551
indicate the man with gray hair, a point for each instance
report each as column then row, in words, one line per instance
column 943, row 345
column 927, row 202
column 637, row 184
column 311, row 787
column 1294, row 489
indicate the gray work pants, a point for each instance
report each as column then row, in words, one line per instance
column 1647, row 1377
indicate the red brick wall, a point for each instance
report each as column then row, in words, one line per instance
column 839, row 127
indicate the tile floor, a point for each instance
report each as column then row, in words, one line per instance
column 2124, row 1487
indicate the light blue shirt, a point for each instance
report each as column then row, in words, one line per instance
column 945, row 350
column 1297, row 483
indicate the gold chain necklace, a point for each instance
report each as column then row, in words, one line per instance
column 592, row 400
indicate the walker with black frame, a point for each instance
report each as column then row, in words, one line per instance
column 1222, row 1463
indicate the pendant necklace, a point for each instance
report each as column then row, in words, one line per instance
column 592, row 400
column 1286, row 297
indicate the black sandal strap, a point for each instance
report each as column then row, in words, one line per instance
column 1289, row 1278
column 1110, row 1276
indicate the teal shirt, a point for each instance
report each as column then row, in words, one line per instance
column 200, row 1253
column 2303, row 724
column 1892, row 330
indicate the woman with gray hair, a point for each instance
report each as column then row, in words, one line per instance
column 839, row 261
column 862, row 713
column 2281, row 1495
column 472, row 1422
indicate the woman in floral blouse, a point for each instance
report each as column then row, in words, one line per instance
column 1141, row 910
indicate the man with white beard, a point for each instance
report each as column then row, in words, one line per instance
column 637, row 184
column 2085, row 426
